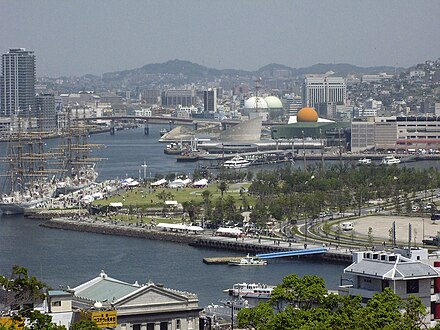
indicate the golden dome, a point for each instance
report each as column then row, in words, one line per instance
column 307, row 115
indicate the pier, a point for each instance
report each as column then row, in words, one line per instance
column 244, row 244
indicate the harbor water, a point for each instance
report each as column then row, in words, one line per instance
column 66, row 258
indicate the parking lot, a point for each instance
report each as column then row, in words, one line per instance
column 381, row 225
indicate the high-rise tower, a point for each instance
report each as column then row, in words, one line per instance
column 17, row 82
column 210, row 100
column 321, row 89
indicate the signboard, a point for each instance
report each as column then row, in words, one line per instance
column 105, row 319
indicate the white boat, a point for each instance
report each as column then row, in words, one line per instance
column 251, row 290
column 236, row 162
column 390, row 160
column 248, row 261
column 163, row 131
column 364, row 161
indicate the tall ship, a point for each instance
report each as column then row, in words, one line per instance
column 29, row 180
column 78, row 168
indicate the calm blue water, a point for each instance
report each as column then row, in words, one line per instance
column 64, row 258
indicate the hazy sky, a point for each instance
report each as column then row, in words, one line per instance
column 95, row 36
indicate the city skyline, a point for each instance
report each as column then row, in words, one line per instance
column 105, row 36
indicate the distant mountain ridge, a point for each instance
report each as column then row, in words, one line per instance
column 191, row 69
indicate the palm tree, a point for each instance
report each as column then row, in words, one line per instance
column 222, row 186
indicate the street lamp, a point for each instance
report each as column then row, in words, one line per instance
column 304, row 151
column 230, row 303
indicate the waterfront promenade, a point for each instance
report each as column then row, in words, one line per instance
column 246, row 244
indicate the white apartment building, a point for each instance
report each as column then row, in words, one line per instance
column 320, row 89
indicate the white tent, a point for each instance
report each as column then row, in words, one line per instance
column 133, row 183
column 187, row 181
column 159, row 183
column 178, row 227
column 201, row 183
column 178, row 183
column 223, row 231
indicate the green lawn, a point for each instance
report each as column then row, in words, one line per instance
column 140, row 196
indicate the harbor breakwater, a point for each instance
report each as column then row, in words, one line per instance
column 206, row 241
column 99, row 227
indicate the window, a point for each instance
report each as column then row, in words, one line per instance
column 178, row 325
column 136, row 327
column 150, row 326
column 385, row 284
column 163, row 325
column 412, row 286
column 56, row 303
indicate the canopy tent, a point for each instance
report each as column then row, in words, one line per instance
column 187, row 181
column 201, row 183
column 178, row 227
column 178, row 183
column 229, row 231
column 159, row 183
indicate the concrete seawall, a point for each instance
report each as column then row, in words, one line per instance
column 247, row 246
column 109, row 229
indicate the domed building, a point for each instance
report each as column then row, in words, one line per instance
column 308, row 124
column 256, row 106
column 255, row 102
column 308, row 115
column 273, row 103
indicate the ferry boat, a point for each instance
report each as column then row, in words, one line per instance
column 236, row 162
column 364, row 161
column 390, row 160
column 248, row 261
column 251, row 290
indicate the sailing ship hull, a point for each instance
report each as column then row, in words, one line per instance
column 17, row 207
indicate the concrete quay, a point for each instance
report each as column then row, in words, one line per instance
column 245, row 244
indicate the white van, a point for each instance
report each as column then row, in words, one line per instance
column 347, row 226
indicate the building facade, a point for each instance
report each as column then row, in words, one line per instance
column 173, row 97
column 321, row 89
column 405, row 272
column 396, row 133
column 210, row 100
column 46, row 112
column 17, row 82
column 139, row 306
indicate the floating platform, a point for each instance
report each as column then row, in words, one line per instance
column 220, row 260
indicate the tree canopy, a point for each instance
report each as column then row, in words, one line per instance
column 303, row 303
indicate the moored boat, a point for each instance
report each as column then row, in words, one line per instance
column 236, row 162
column 390, row 160
column 163, row 131
column 248, row 261
column 364, row 161
column 191, row 156
column 251, row 290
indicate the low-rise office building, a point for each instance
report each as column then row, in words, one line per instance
column 406, row 272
